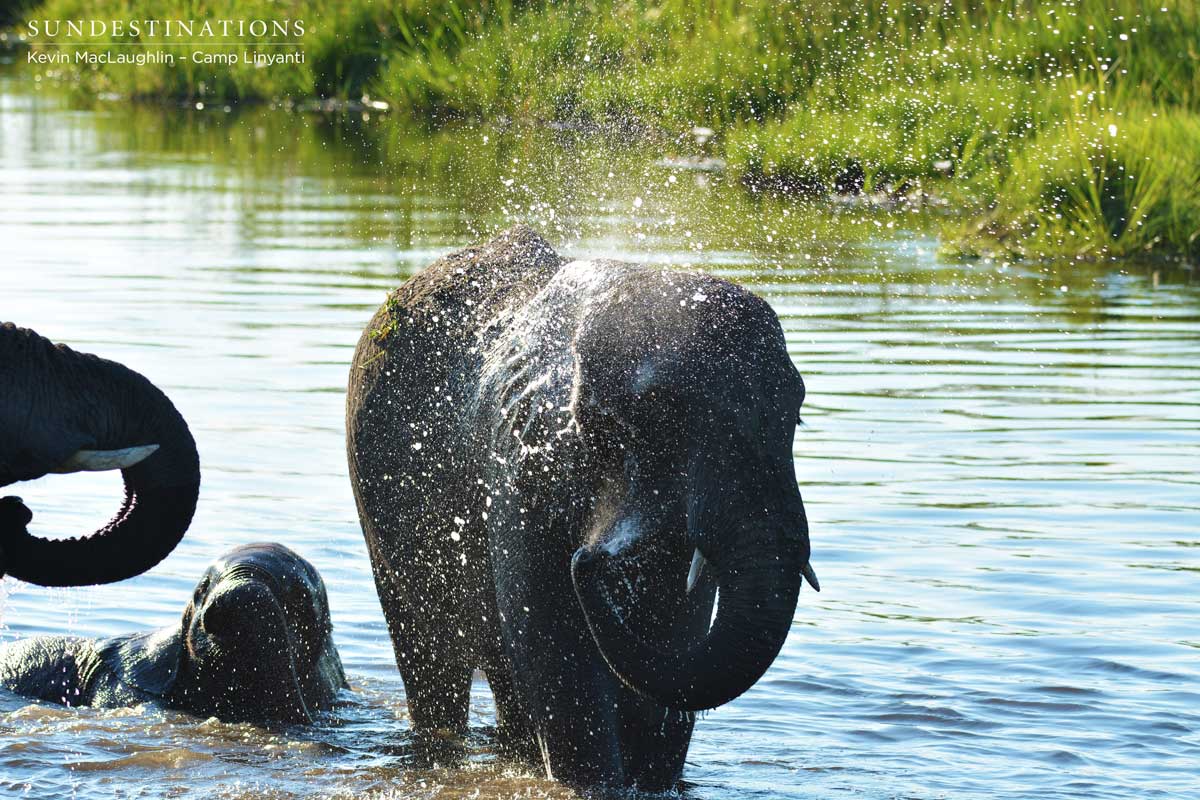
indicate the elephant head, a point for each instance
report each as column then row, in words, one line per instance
column 255, row 644
column 689, row 408
column 63, row 411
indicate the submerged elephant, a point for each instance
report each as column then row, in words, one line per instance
column 557, row 465
column 255, row 645
column 63, row 411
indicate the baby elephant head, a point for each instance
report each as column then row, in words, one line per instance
column 257, row 642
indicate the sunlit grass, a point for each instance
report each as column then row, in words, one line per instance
column 1097, row 185
column 1004, row 109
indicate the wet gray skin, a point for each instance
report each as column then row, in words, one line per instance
column 254, row 644
column 545, row 454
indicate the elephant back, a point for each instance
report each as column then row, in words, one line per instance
column 411, row 445
column 422, row 351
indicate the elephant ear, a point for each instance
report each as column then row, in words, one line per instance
column 321, row 686
column 329, row 666
column 146, row 663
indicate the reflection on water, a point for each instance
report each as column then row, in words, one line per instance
column 999, row 461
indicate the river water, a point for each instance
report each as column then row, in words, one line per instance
column 999, row 461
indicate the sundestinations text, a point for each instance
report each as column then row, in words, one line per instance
column 39, row 29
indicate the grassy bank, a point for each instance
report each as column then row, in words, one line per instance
column 1070, row 128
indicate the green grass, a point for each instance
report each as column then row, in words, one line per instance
column 1068, row 128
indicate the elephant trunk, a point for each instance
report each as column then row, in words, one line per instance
column 146, row 529
column 759, row 582
column 246, row 617
column 127, row 412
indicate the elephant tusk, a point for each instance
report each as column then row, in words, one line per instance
column 100, row 460
column 698, row 563
column 810, row 576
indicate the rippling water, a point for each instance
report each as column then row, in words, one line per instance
column 999, row 461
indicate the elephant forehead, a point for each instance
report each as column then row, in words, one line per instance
column 281, row 568
column 269, row 555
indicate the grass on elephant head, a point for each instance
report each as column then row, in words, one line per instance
column 1005, row 108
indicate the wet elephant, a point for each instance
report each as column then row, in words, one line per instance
column 254, row 644
column 65, row 411
column 557, row 465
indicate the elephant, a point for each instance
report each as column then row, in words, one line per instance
column 556, row 467
column 254, row 645
column 64, row 411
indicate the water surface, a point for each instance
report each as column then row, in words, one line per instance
column 999, row 461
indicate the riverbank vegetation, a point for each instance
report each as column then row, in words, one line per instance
column 1045, row 129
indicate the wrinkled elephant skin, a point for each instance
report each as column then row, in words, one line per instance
column 557, row 465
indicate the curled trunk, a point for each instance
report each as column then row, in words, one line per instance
column 67, row 411
column 149, row 525
column 759, row 582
